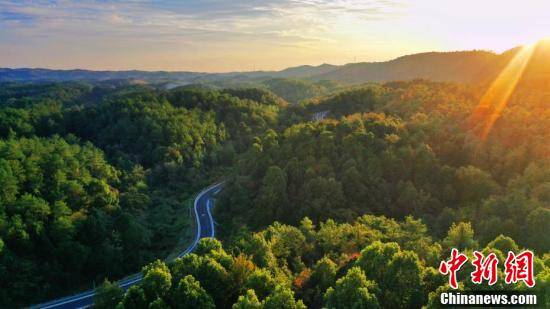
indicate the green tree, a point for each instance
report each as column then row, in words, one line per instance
column 473, row 185
column 402, row 284
column 135, row 298
column 272, row 195
column 282, row 297
column 108, row 295
column 504, row 244
column 323, row 275
column 460, row 236
column 157, row 280
column 375, row 258
column 214, row 278
column 536, row 229
column 206, row 245
column 189, row 294
column 352, row 291
column 158, row 303
column 257, row 247
column 260, row 281
column 398, row 274
column 248, row 301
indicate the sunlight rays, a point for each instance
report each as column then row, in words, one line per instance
column 496, row 97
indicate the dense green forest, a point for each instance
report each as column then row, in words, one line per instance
column 371, row 262
column 87, row 169
column 402, row 149
column 297, row 90
column 355, row 210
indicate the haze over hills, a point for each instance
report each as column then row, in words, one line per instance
column 460, row 66
column 463, row 66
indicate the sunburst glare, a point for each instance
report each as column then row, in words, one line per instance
column 496, row 97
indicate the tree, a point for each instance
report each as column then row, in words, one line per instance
column 324, row 273
column 157, row 280
column 398, row 274
column 537, row 229
column 504, row 244
column 402, row 284
column 241, row 268
column 294, row 90
column 272, row 196
column 108, row 295
column 187, row 265
column 158, row 303
column 352, row 291
column 282, row 297
column 135, row 298
column 287, row 243
column 261, row 282
column 323, row 197
column 248, row 301
column 460, row 236
column 206, row 245
column 189, row 294
column 257, row 247
column 215, row 279
column 322, row 277
column 542, row 288
column 473, row 185
column 8, row 182
column 375, row 258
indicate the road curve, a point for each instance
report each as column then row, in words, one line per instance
column 205, row 229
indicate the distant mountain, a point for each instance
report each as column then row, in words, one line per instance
column 305, row 71
column 26, row 74
column 460, row 66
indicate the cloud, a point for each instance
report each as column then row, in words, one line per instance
column 197, row 29
column 298, row 18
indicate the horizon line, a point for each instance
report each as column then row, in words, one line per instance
column 254, row 71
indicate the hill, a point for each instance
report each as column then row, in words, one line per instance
column 305, row 71
column 460, row 66
column 464, row 66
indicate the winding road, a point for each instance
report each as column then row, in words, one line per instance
column 205, row 229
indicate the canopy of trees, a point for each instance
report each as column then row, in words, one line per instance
column 296, row 90
column 112, row 168
column 89, row 169
column 60, row 206
column 400, row 149
column 372, row 262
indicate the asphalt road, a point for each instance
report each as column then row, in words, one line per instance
column 205, row 229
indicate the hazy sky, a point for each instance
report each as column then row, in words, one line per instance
column 239, row 35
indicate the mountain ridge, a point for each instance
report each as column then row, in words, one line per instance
column 454, row 66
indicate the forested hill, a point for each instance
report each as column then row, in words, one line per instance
column 393, row 178
column 465, row 66
column 460, row 66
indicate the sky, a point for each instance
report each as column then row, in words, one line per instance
column 245, row 35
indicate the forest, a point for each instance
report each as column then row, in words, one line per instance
column 354, row 210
